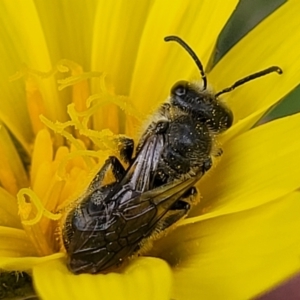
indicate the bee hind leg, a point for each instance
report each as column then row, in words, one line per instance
column 180, row 210
column 176, row 212
column 191, row 196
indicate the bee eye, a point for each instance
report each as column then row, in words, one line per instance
column 179, row 89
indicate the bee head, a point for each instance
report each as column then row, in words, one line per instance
column 203, row 105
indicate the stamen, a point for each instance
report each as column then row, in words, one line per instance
column 107, row 97
column 26, row 71
column 25, row 208
column 74, row 79
column 61, row 170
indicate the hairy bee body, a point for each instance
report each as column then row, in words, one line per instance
column 112, row 222
column 192, row 119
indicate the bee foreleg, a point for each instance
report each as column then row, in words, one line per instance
column 126, row 146
column 116, row 167
column 113, row 164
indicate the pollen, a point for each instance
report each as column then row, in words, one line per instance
column 66, row 154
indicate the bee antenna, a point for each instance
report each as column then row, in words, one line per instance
column 249, row 78
column 191, row 53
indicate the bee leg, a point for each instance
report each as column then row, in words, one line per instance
column 219, row 152
column 126, row 146
column 159, row 177
column 179, row 209
column 207, row 165
column 191, row 196
column 158, row 127
column 116, row 167
column 161, row 126
column 173, row 215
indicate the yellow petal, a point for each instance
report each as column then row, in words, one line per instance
column 8, row 210
column 12, row 173
column 145, row 278
column 117, row 31
column 23, row 28
column 13, row 113
column 118, row 27
column 160, row 65
column 266, row 45
column 235, row 256
column 27, row 262
column 42, row 153
column 62, row 22
column 257, row 167
column 14, row 242
column 35, row 103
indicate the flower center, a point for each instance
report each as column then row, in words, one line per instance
column 64, row 162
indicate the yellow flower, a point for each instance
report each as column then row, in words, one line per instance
column 243, row 237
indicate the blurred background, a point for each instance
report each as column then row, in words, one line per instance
column 247, row 15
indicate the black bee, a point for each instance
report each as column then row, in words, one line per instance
column 114, row 221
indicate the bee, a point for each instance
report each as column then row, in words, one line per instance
column 114, row 221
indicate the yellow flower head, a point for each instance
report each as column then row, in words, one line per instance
column 89, row 72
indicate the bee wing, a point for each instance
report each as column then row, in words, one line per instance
column 102, row 247
column 96, row 210
column 145, row 163
column 146, row 209
column 97, row 217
